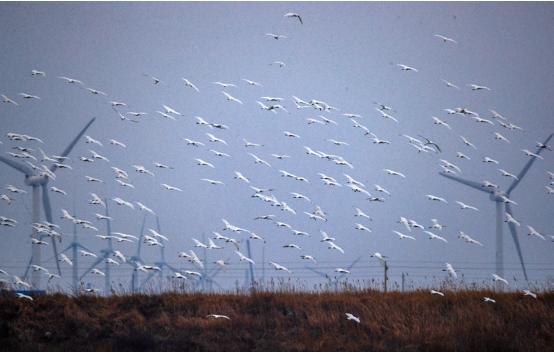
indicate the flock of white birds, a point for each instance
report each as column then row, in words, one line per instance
column 294, row 203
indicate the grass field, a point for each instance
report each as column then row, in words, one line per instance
column 263, row 321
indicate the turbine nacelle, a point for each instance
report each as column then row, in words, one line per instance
column 36, row 180
column 497, row 196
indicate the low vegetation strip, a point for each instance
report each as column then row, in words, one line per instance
column 458, row 321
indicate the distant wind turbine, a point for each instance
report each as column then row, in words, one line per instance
column 334, row 282
column 500, row 197
column 39, row 179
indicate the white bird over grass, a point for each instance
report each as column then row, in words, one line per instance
column 23, row 296
column 529, row 293
column 450, row 270
column 342, row 271
column 277, row 266
column 435, row 292
column 19, row 282
column 496, row 277
column 351, row 317
column 244, row 258
column 218, row 316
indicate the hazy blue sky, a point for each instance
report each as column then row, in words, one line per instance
column 344, row 54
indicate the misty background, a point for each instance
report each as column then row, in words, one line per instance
column 344, row 54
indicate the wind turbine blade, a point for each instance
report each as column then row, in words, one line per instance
column 140, row 236
column 65, row 249
column 68, row 149
column 28, row 267
column 18, row 166
column 218, row 269
column 48, row 214
column 316, row 271
column 527, row 167
column 513, row 231
column 216, row 283
column 92, row 266
column 158, row 224
column 349, row 268
column 171, row 267
column 150, row 276
column 468, row 183
column 108, row 225
column 83, row 247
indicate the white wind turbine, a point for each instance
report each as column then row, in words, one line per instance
column 106, row 253
column 40, row 180
column 499, row 198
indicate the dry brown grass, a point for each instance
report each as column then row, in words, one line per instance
column 264, row 321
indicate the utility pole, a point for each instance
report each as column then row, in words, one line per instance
column 107, row 277
column 386, row 266
column 263, row 265
column 403, row 280
column 251, row 268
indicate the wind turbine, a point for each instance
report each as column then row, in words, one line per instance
column 161, row 263
column 74, row 246
column 106, row 253
column 40, row 180
column 497, row 197
column 136, row 259
column 335, row 281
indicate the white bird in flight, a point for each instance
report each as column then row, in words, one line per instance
column 406, row 68
column 351, row 317
column 231, row 98
column 293, row 15
column 276, row 36
column 190, row 84
column 445, row 39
